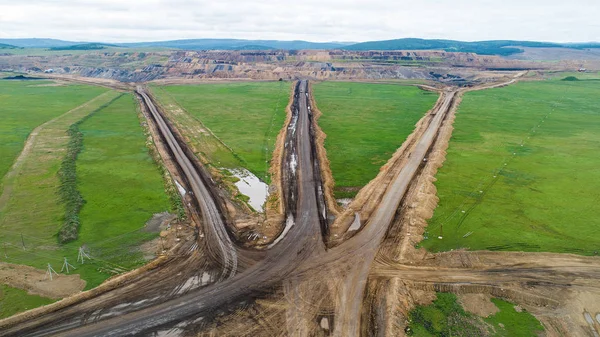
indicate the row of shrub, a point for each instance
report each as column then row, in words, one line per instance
column 69, row 194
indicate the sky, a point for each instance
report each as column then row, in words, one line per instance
column 312, row 20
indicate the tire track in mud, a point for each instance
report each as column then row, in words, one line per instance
column 302, row 241
column 219, row 242
column 368, row 240
column 300, row 251
column 369, row 197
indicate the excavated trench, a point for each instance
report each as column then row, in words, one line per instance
column 289, row 165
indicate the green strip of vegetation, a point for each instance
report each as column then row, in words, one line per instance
column 509, row 322
column 33, row 213
column 521, row 172
column 365, row 124
column 246, row 118
column 446, row 317
column 13, row 301
column 68, row 192
column 116, row 176
column 28, row 104
column 122, row 187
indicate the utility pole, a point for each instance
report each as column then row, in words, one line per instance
column 66, row 266
column 5, row 255
column 22, row 241
column 49, row 272
column 81, row 256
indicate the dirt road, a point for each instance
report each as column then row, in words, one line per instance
column 300, row 241
column 299, row 260
column 366, row 243
column 499, row 268
column 219, row 242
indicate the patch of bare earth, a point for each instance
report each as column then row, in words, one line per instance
column 478, row 304
column 103, row 82
column 36, row 282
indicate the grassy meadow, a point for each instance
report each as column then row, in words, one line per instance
column 28, row 104
column 365, row 124
column 13, row 301
column 119, row 181
column 521, row 171
column 446, row 317
column 246, row 118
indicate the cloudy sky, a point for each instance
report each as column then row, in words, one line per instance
column 314, row 20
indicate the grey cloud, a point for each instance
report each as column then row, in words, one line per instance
column 318, row 20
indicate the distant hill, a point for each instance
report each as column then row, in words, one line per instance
column 503, row 47
column 499, row 47
column 7, row 46
column 587, row 45
column 255, row 47
column 189, row 44
column 85, row 46
column 38, row 43
column 235, row 44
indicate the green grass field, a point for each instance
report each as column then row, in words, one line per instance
column 522, row 171
column 246, row 117
column 121, row 185
column 14, row 300
column 365, row 124
column 446, row 317
column 508, row 322
column 27, row 104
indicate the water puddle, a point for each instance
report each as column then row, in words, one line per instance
column 174, row 332
column 195, row 282
column 180, row 188
column 356, row 224
column 345, row 202
column 324, row 323
column 252, row 187
column 590, row 320
column 289, row 223
column 293, row 163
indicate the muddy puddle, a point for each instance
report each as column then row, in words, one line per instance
column 345, row 202
column 252, row 187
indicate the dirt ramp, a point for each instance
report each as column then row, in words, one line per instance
column 510, row 294
column 36, row 282
column 369, row 197
column 478, row 304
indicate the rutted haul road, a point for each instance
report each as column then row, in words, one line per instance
column 298, row 254
column 302, row 240
column 214, row 226
column 299, row 248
